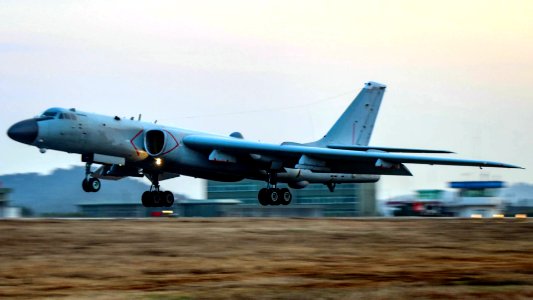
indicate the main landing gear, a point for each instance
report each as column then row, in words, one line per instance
column 89, row 183
column 156, row 198
column 272, row 195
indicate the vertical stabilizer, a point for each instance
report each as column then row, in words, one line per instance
column 356, row 124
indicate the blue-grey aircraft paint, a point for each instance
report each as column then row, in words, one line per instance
column 126, row 147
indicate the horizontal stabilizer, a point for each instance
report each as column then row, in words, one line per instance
column 387, row 149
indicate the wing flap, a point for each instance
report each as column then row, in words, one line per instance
column 387, row 149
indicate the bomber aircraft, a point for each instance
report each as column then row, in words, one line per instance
column 128, row 147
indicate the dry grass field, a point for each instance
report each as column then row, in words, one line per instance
column 267, row 259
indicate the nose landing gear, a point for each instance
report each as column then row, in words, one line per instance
column 89, row 183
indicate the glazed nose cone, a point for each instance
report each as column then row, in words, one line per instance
column 24, row 131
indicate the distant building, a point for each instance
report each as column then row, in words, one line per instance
column 134, row 209
column 348, row 200
column 523, row 206
column 518, row 200
column 7, row 211
column 115, row 208
column 308, row 211
column 472, row 199
column 206, row 208
column 477, row 198
column 426, row 203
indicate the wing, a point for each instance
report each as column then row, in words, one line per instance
column 325, row 159
column 387, row 149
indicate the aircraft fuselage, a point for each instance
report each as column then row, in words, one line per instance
column 125, row 147
column 154, row 149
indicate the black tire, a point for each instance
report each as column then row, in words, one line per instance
column 262, row 196
column 286, row 196
column 146, row 199
column 273, row 196
column 167, row 199
column 156, row 199
column 94, row 185
column 85, row 186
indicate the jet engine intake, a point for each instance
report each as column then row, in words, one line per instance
column 159, row 142
column 154, row 142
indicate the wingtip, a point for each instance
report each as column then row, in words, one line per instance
column 499, row 165
column 514, row 167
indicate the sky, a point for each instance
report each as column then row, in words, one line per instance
column 459, row 74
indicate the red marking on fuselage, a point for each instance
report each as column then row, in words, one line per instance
column 131, row 142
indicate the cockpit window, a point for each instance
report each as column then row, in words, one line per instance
column 67, row 116
column 58, row 113
column 50, row 113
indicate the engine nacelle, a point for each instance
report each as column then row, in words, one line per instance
column 159, row 142
column 298, row 184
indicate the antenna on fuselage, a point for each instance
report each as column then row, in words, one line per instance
column 155, row 122
column 139, row 117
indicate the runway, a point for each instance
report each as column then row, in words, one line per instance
column 220, row 258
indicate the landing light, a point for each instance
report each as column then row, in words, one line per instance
column 158, row 162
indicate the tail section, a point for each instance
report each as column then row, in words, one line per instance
column 356, row 124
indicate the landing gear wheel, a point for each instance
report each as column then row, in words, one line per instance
column 167, row 199
column 155, row 197
column 273, row 196
column 263, row 197
column 94, row 184
column 286, row 196
column 146, row 199
column 85, row 186
column 91, row 185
